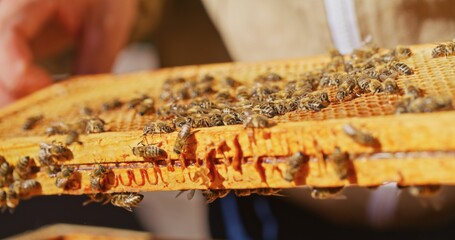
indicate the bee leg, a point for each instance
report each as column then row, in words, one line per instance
column 144, row 139
column 87, row 202
column 182, row 161
column 107, row 200
column 128, row 209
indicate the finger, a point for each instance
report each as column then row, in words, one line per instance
column 5, row 97
column 18, row 75
column 26, row 16
column 105, row 32
column 19, row 22
column 60, row 32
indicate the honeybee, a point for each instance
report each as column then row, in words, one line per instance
column 203, row 103
column 243, row 192
column 450, row 48
column 55, row 151
column 372, row 73
column 256, row 121
column 337, row 79
column 310, row 104
column 268, row 191
column 86, row 111
column 114, row 104
column 65, row 179
column 98, row 177
column 212, row 194
column 266, row 109
column 229, row 119
column 401, row 68
column 12, row 199
column 304, row 86
column 72, row 137
column 52, row 170
column 126, row 200
column 389, row 57
column 31, row 122
column 340, row 162
column 223, row 95
column 149, row 151
column 2, row 200
column 386, row 73
column 207, row 78
column 145, row 107
column 98, row 198
column 261, row 93
column 216, row 119
column 57, row 128
column 94, row 125
column 136, row 101
column 291, row 105
column 403, row 52
column 24, row 167
column 390, row 86
column 412, row 91
column 375, row 86
column 157, row 127
column 424, row 190
column 182, row 137
column 364, row 84
column 403, row 105
column 360, row 136
column 27, row 187
column 280, row 107
column 321, row 96
column 269, row 77
column 182, row 93
column 166, row 95
column 293, row 165
column 180, row 121
column 201, row 88
column 430, row 104
column 231, row 82
column 327, row 193
column 439, row 51
column 242, row 93
column 201, row 121
column 6, row 176
column 343, row 91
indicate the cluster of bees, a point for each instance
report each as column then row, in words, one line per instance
column 18, row 180
column 52, row 155
column 207, row 101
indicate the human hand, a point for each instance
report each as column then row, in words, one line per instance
column 33, row 29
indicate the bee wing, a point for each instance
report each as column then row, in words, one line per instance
column 87, row 202
column 278, row 195
column 339, row 197
column 191, row 194
column 128, row 209
column 180, row 193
